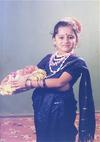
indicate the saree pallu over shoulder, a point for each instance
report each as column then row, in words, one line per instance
column 86, row 104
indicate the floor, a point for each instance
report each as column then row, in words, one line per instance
column 21, row 129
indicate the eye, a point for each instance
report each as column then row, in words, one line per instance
column 71, row 37
column 61, row 37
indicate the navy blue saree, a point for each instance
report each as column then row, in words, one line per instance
column 55, row 111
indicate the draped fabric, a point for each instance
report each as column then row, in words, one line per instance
column 86, row 106
column 43, row 107
column 54, row 116
column 86, row 103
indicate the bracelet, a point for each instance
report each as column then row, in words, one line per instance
column 40, row 83
column 28, row 83
column 44, row 83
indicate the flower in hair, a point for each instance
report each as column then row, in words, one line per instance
column 74, row 23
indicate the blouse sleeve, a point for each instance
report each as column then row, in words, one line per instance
column 74, row 70
column 43, row 62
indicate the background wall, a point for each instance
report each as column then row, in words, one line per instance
column 25, row 28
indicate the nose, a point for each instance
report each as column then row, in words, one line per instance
column 66, row 39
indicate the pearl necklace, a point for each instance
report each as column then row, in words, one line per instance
column 57, row 61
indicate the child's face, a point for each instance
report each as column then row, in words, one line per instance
column 65, row 40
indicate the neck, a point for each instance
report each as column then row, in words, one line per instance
column 60, row 53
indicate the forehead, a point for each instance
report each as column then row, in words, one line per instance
column 65, row 30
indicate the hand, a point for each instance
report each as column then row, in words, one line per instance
column 19, row 84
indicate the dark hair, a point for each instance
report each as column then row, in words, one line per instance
column 61, row 24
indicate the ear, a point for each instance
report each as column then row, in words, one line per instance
column 77, row 39
column 54, row 42
column 76, row 44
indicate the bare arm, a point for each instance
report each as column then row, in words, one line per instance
column 61, row 83
column 58, row 82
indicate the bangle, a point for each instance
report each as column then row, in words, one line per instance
column 28, row 83
column 40, row 83
column 44, row 83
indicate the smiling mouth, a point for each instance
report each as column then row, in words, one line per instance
column 67, row 45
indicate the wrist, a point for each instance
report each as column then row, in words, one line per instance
column 30, row 84
column 42, row 83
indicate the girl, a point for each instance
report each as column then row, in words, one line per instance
column 54, row 103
